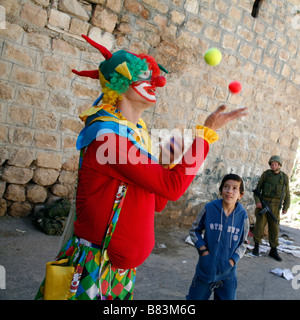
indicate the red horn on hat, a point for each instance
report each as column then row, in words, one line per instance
column 106, row 53
column 94, row 74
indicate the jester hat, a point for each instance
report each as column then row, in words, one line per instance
column 117, row 72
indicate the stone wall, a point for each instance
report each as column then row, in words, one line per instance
column 40, row 99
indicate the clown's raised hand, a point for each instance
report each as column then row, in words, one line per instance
column 218, row 119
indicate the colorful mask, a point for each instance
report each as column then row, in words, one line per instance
column 121, row 69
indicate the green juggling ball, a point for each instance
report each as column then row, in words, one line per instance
column 213, row 56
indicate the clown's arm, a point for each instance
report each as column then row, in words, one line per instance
column 135, row 168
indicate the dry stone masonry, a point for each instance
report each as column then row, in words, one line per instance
column 40, row 98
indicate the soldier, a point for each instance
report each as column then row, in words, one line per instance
column 273, row 186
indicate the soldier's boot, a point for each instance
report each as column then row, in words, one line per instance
column 255, row 250
column 274, row 254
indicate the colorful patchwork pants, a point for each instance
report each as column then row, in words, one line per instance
column 94, row 278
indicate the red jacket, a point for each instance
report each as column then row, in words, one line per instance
column 150, row 187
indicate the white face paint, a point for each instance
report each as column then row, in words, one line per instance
column 145, row 90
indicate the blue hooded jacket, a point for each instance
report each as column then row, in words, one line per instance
column 224, row 238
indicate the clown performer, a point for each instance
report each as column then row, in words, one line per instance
column 120, row 183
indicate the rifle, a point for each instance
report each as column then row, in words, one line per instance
column 265, row 205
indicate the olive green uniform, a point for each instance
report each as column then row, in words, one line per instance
column 272, row 186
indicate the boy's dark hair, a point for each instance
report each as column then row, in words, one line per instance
column 235, row 177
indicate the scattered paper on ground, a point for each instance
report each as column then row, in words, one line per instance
column 285, row 273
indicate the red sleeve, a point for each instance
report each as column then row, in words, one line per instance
column 160, row 203
column 117, row 157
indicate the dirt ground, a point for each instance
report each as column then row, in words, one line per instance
column 165, row 275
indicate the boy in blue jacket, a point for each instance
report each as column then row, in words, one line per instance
column 226, row 227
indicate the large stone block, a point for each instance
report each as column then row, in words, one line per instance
column 104, row 19
column 12, row 174
column 15, row 192
column 60, row 190
column 67, row 177
column 73, row 7
column 34, row 14
column 36, row 193
column 59, row 19
column 19, row 209
column 21, row 158
column 45, row 177
column 48, row 160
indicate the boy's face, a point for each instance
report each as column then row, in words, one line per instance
column 231, row 192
